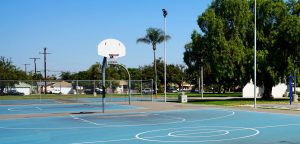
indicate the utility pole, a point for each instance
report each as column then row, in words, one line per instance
column 34, row 61
column 45, row 69
column 26, row 67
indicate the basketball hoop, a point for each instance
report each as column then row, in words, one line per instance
column 110, row 49
column 112, row 59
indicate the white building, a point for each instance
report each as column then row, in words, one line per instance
column 23, row 88
column 61, row 88
column 278, row 91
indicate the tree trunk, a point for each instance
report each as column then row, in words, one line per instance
column 219, row 88
column 267, row 91
column 268, row 84
column 155, row 72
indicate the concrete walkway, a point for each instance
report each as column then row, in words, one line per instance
column 294, row 106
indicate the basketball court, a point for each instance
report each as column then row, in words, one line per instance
column 84, row 121
column 148, row 122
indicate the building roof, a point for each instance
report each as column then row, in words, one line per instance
column 123, row 82
column 22, row 85
column 42, row 83
column 62, row 84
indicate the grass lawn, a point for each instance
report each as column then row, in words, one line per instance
column 237, row 94
column 241, row 102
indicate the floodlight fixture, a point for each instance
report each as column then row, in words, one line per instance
column 165, row 13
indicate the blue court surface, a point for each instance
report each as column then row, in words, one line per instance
column 60, row 108
column 207, row 126
column 27, row 102
column 79, row 100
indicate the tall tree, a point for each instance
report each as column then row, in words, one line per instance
column 153, row 37
column 222, row 43
column 227, row 30
column 276, row 43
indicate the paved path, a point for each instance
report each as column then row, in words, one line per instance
column 294, row 106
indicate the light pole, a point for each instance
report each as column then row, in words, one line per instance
column 165, row 13
column 254, row 53
column 295, row 96
column 201, row 78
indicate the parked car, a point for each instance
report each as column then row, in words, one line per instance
column 172, row 90
column 91, row 91
column 56, row 91
column 14, row 92
column 147, row 91
column 195, row 90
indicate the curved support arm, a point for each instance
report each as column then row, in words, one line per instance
column 129, row 80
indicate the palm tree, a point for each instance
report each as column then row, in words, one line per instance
column 154, row 36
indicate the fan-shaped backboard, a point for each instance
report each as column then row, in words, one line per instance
column 111, row 48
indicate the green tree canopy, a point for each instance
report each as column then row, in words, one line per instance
column 227, row 36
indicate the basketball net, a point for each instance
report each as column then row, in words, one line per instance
column 112, row 59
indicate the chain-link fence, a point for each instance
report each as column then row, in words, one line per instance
column 65, row 91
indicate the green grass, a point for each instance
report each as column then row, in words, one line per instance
column 240, row 102
column 237, row 94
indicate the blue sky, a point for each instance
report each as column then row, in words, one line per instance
column 72, row 29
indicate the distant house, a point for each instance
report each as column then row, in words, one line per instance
column 122, row 87
column 62, row 88
column 23, row 88
column 41, row 86
column 187, row 86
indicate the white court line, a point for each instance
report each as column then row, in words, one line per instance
column 151, row 124
column 38, row 108
column 180, row 120
column 274, row 126
column 138, row 136
column 260, row 112
column 232, row 113
column 84, row 120
column 161, row 112
column 12, row 109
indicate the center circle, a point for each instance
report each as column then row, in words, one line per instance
column 197, row 134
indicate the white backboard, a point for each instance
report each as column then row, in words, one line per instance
column 111, row 47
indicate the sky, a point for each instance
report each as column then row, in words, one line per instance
column 72, row 29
